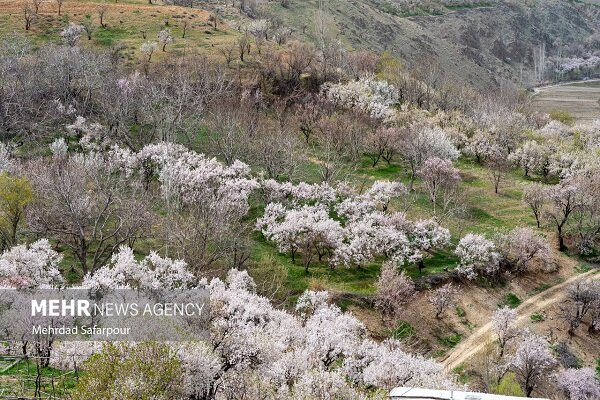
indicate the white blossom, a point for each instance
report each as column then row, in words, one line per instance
column 477, row 256
column 34, row 265
column 579, row 384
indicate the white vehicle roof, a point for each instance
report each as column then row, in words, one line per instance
column 407, row 393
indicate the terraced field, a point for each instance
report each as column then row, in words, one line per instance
column 581, row 99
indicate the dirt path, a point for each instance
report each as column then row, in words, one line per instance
column 540, row 89
column 478, row 339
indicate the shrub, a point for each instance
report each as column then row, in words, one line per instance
column 109, row 374
column 509, row 386
column 562, row 116
column 537, row 317
column 511, row 300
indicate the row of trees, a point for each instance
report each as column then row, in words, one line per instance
column 253, row 347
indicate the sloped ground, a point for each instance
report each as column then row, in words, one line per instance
column 542, row 302
column 479, row 46
column 129, row 23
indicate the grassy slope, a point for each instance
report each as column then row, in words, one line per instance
column 485, row 213
column 126, row 23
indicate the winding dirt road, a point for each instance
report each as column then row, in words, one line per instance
column 478, row 339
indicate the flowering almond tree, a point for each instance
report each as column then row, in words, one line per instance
column 504, row 325
column 394, row 290
column 579, row 384
column 532, row 362
column 478, row 256
column 307, row 229
column 442, row 298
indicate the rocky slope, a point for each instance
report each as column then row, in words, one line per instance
column 479, row 45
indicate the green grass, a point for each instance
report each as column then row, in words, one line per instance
column 582, row 268
column 125, row 21
column 542, row 288
column 450, row 341
column 21, row 380
column 461, row 373
column 108, row 36
column 511, row 300
column 403, row 330
column 460, row 312
column 537, row 317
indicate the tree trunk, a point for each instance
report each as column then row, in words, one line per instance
column 561, row 239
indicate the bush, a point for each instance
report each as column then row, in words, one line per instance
column 110, row 373
column 537, row 317
column 565, row 356
column 511, row 300
column 461, row 372
column 562, row 116
column 451, row 341
column 509, row 386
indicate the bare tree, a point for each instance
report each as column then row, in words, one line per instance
column 381, row 144
column 29, row 15
column 102, row 14
column 308, row 114
column 498, row 166
column 243, row 43
column 36, row 5
column 563, row 199
column 59, row 3
column 87, row 206
column 88, row 27
column 227, row 51
column 534, row 196
column 184, row 26
column 581, row 297
column 214, row 18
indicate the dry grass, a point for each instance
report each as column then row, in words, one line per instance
column 579, row 99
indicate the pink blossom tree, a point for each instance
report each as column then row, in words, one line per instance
column 478, row 256
column 440, row 178
column 442, row 298
column 394, row 290
column 421, row 142
column 579, row 384
column 307, row 229
column 520, row 248
column 504, row 326
column 532, row 362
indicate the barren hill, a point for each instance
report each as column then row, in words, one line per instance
column 478, row 44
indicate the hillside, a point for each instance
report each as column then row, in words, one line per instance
column 478, row 45
column 355, row 220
